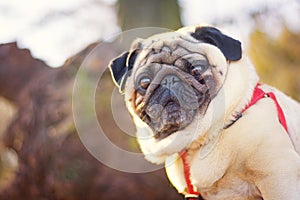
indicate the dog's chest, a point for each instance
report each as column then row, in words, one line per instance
column 216, row 182
column 230, row 187
column 213, row 180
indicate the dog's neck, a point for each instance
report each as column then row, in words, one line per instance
column 241, row 88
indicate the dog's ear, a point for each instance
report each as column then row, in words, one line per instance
column 230, row 47
column 121, row 67
column 118, row 68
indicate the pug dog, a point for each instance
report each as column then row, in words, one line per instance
column 194, row 92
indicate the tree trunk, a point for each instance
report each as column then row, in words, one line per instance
column 145, row 13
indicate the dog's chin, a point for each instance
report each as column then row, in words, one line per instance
column 157, row 150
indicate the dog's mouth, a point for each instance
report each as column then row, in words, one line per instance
column 172, row 106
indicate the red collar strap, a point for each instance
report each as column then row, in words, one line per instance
column 258, row 94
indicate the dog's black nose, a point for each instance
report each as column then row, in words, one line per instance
column 170, row 85
column 162, row 99
column 170, row 81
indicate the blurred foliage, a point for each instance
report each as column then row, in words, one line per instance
column 106, row 115
column 277, row 60
column 52, row 162
column 41, row 155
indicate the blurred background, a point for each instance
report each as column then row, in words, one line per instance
column 42, row 45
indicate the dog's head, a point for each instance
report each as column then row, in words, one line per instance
column 170, row 79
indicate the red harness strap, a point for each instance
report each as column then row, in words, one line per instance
column 192, row 194
column 257, row 95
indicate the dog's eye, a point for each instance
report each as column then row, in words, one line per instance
column 144, row 82
column 198, row 70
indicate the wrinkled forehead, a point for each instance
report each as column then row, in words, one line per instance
column 168, row 39
column 167, row 48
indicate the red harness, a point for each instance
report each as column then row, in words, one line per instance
column 258, row 94
column 192, row 194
